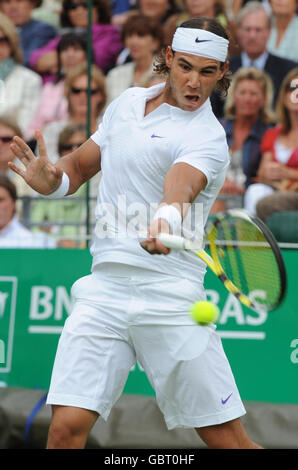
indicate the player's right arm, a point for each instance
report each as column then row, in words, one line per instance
column 44, row 176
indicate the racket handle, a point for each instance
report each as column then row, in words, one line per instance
column 172, row 241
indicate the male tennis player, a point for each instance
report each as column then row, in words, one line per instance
column 157, row 145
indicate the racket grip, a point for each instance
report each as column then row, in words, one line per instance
column 172, row 241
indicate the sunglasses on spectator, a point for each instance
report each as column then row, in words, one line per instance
column 4, row 40
column 292, row 86
column 77, row 91
column 6, row 138
column 75, row 5
column 68, row 147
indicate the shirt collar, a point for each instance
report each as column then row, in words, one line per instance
column 259, row 63
column 173, row 112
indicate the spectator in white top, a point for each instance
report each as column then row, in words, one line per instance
column 12, row 233
column 21, row 86
column 283, row 39
column 143, row 38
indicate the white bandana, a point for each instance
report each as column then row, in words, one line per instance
column 200, row 42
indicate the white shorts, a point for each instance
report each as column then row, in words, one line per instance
column 123, row 314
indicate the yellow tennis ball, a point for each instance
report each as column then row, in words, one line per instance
column 204, row 312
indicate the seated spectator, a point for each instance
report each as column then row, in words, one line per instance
column 13, row 234
column 34, row 34
column 76, row 86
column 253, row 30
column 248, row 116
column 8, row 129
column 65, row 219
column 49, row 12
column 106, row 38
column 143, row 37
column 278, row 169
column 279, row 201
column 157, row 10
column 194, row 8
column 22, row 86
column 71, row 51
column 283, row 39
column 120, row 11
column 234, row 6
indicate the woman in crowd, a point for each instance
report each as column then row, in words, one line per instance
column 20, row 87
column 8, row 129
column 64, row 220
column 13, row 234
column 71, row 51
column 279, row 164
column 76, row 86
column 283, row 40
column 143, row 37
column 194, row 8
column 106, row 38
column 247, row 117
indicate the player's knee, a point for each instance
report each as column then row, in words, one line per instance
column 230, row 435
column 65, row 435
column 70, row 428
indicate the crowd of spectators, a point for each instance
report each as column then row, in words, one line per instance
column 44, row 80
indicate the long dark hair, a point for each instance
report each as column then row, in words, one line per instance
column 103, row 10
column 208, row 24
column 67, row 40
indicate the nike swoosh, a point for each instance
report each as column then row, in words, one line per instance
column 202, row 40
column 157, row 136
column 225, row 401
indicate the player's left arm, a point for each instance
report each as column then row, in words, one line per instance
column 182, row 184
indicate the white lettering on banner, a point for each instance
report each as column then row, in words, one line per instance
column 294, row 354
column 47, row 303
column 232, row 310
column 2, row 352
column 41, row 296
column 42, row 307
column 63, row 301
column 3, row 299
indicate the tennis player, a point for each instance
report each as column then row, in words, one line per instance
column 158, row 145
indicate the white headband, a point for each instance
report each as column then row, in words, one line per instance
column 200, row 42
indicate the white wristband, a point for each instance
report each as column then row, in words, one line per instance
column 62, row 190
column 171, row 214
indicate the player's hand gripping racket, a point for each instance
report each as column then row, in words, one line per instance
column 244, row 255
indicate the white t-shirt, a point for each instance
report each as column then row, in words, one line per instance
column 16, row 235
column 136, row 154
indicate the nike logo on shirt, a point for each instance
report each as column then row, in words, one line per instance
column 157, row 136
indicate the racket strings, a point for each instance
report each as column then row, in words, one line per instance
column 248, row 260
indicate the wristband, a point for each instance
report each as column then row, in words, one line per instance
column 62, row 190
column 171, row 215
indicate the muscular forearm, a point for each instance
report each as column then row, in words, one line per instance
column 181, row 196
column 81, row 164
column 182, row 185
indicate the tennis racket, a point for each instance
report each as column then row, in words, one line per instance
column 244, row 255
